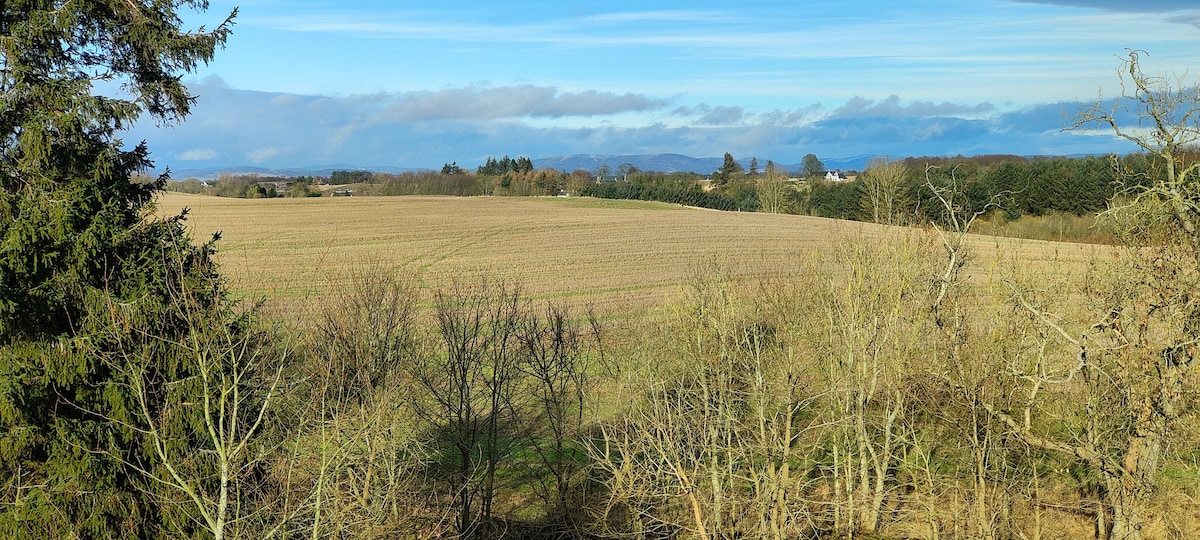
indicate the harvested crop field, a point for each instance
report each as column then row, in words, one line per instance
column 620, row 256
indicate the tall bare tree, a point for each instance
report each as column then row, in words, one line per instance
column 774, row 192
column 873, row 330
column 469, row 385
column 720, row 442
column 1128, row 371
column 356, row 450
column 563, row 362
column 884, row 185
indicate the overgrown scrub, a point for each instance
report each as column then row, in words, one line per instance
column 778, row 409
column 710, row 445
column 1050, row 226
column 873, row 392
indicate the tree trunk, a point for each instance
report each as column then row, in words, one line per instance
column 1128, row 493
column 1127, row 518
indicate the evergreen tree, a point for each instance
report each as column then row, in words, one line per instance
column 730, row 166
column 730, row 170
column 79, row 244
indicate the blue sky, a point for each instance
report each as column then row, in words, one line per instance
column 371, row 83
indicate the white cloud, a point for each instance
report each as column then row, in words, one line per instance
column 707, row 115
column 892, row 107
column 264, row 154
column 199, row 154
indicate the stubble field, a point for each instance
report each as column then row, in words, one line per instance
column 622, row 257
column 628, row 258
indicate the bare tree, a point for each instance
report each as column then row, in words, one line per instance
column 1127, row 370
column 202, row 406
column 982, row 348
column 1168, row 110
column 365, row 334
column 774, row 192
column 563, row 361
column 873, row 329
column 469, row 385
column 354, row 448
column 884, row 185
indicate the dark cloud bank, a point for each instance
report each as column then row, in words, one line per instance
column 426, row 129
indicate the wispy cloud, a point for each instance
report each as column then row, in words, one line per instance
column 1187, row 12
column 662, row 16
column 794, row 117
column 1143, row 6
column 936, row 50
column 1187, row 18
column 706, row 115
column 709, row 33
column 512, row 102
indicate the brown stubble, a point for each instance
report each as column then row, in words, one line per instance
column 622, row 257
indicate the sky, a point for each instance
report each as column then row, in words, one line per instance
column 370, row 83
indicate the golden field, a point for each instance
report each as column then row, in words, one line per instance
column 620, row 256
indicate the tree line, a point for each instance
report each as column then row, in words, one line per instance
column 1013, row 185
column 1005, row 187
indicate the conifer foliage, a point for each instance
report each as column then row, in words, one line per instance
column 79, row 243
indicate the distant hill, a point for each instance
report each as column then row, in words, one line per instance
column 318, row 170
column 645, row 162
column 679, row 163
